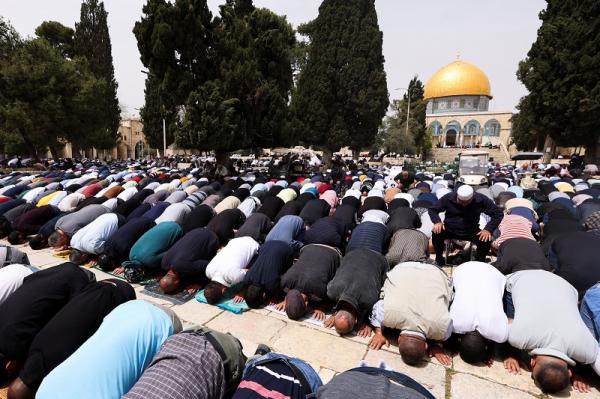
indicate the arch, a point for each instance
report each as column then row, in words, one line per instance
column 139, row 146
column 453, row 125
column 492, row 128
column 436, row 128
column 472, row 128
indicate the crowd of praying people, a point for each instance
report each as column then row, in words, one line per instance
column 416, row 259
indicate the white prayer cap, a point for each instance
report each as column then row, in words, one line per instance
column 465, row 192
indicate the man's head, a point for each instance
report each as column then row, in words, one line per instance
column 170, row 282
column 213, row 292
column 105, row 263
column 58, row 239
column 16, row 238
column 413, row 349
column 473, row 348
column 38, row 242
column 345, row 320
column 551, row 374
column 295, row 304
column 78, row 257
column 5, row 227
column 464, row 194
column 255, row 296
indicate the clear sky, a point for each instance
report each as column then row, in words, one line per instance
column 419, row 37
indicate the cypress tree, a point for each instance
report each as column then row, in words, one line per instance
column 562, row 74
column 341, row 96
column 92, row 41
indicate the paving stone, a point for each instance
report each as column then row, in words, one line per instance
column 38, row 258
column 326, row 374
column 465, row 386
column 318, row 347
column 499, row 374
column 100, row 275
column 196, row 312
column 249, row 326
column 431, row 376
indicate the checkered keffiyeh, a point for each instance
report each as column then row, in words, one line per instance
column 187, row 366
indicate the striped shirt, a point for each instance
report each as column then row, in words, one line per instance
column 513, row 226
column 408, row 245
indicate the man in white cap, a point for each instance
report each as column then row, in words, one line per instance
column 463, row 209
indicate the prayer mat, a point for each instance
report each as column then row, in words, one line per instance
column 3, row 393
column 228, row 304
column 121, row 276
column 153, row 289
column 308, row 319
column 63, row 253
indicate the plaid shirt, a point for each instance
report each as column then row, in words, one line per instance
column 186, row 367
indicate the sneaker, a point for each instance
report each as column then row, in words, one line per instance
column 262, row 350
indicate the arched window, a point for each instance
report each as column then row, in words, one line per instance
column 491, row 128
column 436, row 128
column 472, row 128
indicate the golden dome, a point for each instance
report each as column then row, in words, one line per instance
column 458, row 79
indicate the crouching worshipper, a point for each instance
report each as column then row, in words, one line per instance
column 71, row 223
column 110, row 362
column 73, row 325
column 355, row 289
column 373, row 383
column 11, row 278
column 306, row 281
column 415, row 301
column 90, row 240
column 262, row 279
column 185, row 262
column 118, row 245
column 548, row 331
column 146, row 254
column 229, row 267
column 195, row 364
column 10, row 256
column 27, row 310
column 477, row 310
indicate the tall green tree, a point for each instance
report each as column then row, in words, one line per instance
column 57, row 35
column 176, row 42
column 562, row 74
column 47, row 99
column 341, row 96
column 92, row 41
column 246, row 104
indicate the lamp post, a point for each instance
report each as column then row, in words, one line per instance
column 163, row 120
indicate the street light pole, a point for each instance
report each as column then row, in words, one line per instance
column 164, row 138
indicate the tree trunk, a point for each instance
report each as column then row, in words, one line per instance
column 327, row 155
column 222, row 158
column 549, row 148
column 355, row 155
column 55, row 153
column 592, row 153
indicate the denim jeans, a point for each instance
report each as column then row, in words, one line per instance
column 590, row 310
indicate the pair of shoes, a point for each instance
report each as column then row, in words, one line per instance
column 262, row 350
column 133, row 275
